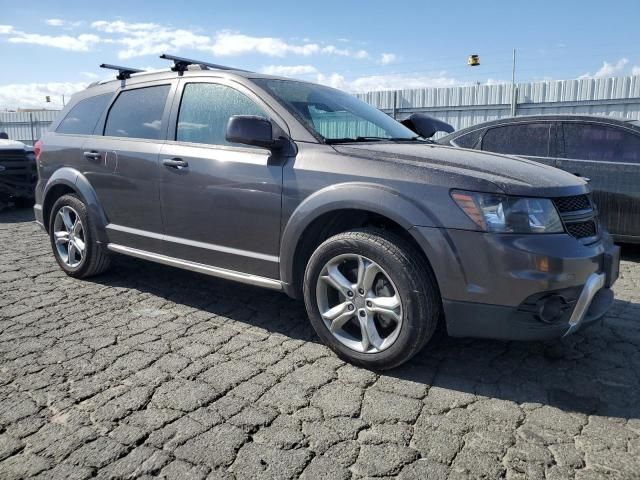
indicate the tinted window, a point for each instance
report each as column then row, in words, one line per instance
column 83, row 118
column 468, row 140
column 598, row 142
column 205, row 111
column 137, row 113
column 531, row 139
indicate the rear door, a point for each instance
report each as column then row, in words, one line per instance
column 532, row 140
column 125, row 158
column 609, row 156
column 222, row 205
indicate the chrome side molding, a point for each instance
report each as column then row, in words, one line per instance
column 198, row 267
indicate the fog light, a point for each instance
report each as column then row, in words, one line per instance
column 551, row 308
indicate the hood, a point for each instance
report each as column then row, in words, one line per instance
column 12, row 145
column 512, row 175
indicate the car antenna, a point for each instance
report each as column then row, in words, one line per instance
column 180, row 64
column 123, row 72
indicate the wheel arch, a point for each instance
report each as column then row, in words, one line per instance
column 338, row 209
column 70, row 181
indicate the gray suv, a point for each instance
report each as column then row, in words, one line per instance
column 305, row 189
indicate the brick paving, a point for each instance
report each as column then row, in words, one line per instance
column 151, row 371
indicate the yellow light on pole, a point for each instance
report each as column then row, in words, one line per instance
column 474, row 60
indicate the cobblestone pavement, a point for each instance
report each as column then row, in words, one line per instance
column 151, row 371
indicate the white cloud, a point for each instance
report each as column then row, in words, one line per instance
column 387, row 58
column 608, row 69
column 59, row 22
column 6, row 29
column 119, row 26
column 32, row 95
column 287, row 70
column 386, row 82
column 635, row 70
column 79, row 43
column 54, row 22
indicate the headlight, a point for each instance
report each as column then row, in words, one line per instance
column 499, row 213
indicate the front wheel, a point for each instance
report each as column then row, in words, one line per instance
column 371, row 297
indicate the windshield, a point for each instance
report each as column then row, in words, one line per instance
column 333, row 115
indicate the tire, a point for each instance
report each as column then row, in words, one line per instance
column 24, row 202
column 403, row 273
column 94, row 258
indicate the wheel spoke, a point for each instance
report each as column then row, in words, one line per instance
column 71, row 253
column 66, row 219
column 61, row 237
column 338, row 316
column 386, row 305
column 77, row 227
column 79, row 244
column 371, row 270
column 337, row 280
column 370, row 335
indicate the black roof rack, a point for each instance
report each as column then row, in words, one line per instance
column 180, row 64
column 123, row 72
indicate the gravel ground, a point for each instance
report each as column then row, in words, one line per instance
column 151, row 371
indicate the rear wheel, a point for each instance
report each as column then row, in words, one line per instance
column 371, row 297
column 73, row 239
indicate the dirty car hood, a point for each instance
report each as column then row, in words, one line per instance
column 513, row 175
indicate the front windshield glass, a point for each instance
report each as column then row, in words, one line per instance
column 334, row 115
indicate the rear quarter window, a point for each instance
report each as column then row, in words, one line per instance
column 468, row 140
column 83, row 117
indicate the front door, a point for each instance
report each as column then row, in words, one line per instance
column 221, row 202
column 609, row 156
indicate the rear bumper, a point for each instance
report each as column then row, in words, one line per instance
column 519, row 287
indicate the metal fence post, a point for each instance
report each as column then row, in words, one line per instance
column 33, row 140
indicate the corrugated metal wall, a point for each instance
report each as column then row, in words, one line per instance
column 469, row 105
column 26, row 126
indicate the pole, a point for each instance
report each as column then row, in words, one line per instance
column 514, row 89
column 33, row 138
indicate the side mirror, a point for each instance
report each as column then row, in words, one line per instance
column 426, row 126
column 252, row 130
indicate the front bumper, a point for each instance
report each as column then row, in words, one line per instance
column 495, row 286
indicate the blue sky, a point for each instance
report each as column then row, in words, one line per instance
column 55, row 47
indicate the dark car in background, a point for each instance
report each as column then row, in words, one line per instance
column 18, row 173
column 602, row 149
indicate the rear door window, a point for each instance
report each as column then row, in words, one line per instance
column 590, row 141
column 526, row 139
column 138, row 113
column 83, row 118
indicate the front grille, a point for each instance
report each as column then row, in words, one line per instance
column 572, row 204
column 578, row 215
column 18, row 170
column 582, row 229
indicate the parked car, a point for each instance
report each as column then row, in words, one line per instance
column 603, row 149
column 305, row 189
column 18, row 175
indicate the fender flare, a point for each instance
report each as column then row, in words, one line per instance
column 369, row 197
column 77, row 182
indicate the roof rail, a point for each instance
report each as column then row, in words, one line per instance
column 180, row 64
column 123, row 72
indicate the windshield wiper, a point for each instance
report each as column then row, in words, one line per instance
column 369, row 139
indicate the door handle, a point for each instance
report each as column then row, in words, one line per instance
column 93, row 155
column 176, row 163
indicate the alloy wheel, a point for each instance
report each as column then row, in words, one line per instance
column 359, row 303
column 68, row 233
